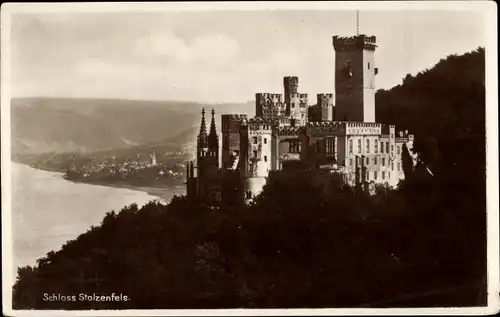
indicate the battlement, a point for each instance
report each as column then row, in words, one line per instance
column 234, row 117
column 298, row 96
column 325, row 124
column 324, row 100
column 325, row 95
column 232, row 122
column 363, row 125
column 275, row 97
column 358, row 42
column 290, row 79
column 325, row 128
column 289, row 131
column 259, row 124
column 388, row 128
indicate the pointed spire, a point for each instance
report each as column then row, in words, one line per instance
column 202, row 136
column 213, row 140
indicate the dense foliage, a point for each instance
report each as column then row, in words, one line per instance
column 308, row 240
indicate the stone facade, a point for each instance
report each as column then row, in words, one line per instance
column 338, row 133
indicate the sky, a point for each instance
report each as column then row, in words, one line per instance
column 220, row 56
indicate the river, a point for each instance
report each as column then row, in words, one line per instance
column 48, row 210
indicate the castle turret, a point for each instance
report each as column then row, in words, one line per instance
column 355, row 78
column 291, row 85
column 256, row 161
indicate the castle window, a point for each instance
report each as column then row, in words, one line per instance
column 398, row 149
column 375, row 161
column 254, row 153
column 359, row 146
column 386, row 147
column 383, row 175
column 249, row 194
column 368, row 65
column 368, row 146
column 399, row 167
column 265, row 158
column 367, row 161
column 350, row 146
column 294, row 147
column 330, row 146
column 389, row 175
column 392, row 166
column 254, row 140
column 265, row 140
column 375, row 175
column 376, row 146
column 381, row 147
column 392, row 148
column 350, row 162
column 367, row 175
column 383, row 161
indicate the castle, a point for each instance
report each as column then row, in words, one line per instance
column 339, row 133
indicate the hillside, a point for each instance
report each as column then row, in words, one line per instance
column 43, row 125
column 308, row 241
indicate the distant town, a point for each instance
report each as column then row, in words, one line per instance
column 133, row 172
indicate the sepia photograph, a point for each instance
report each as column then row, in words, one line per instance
column 249, row 158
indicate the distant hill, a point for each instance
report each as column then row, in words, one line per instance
column 46, row 125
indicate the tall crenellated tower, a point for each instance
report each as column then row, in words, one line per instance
column 355, row 78
column 231, row 124
column 291, row 85
column 296, row 103
column 256, row 148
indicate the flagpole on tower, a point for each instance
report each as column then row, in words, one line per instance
column 357, row 22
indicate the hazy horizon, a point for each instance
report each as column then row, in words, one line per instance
column 220, row 57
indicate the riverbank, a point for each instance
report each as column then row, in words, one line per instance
column 163, row 192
